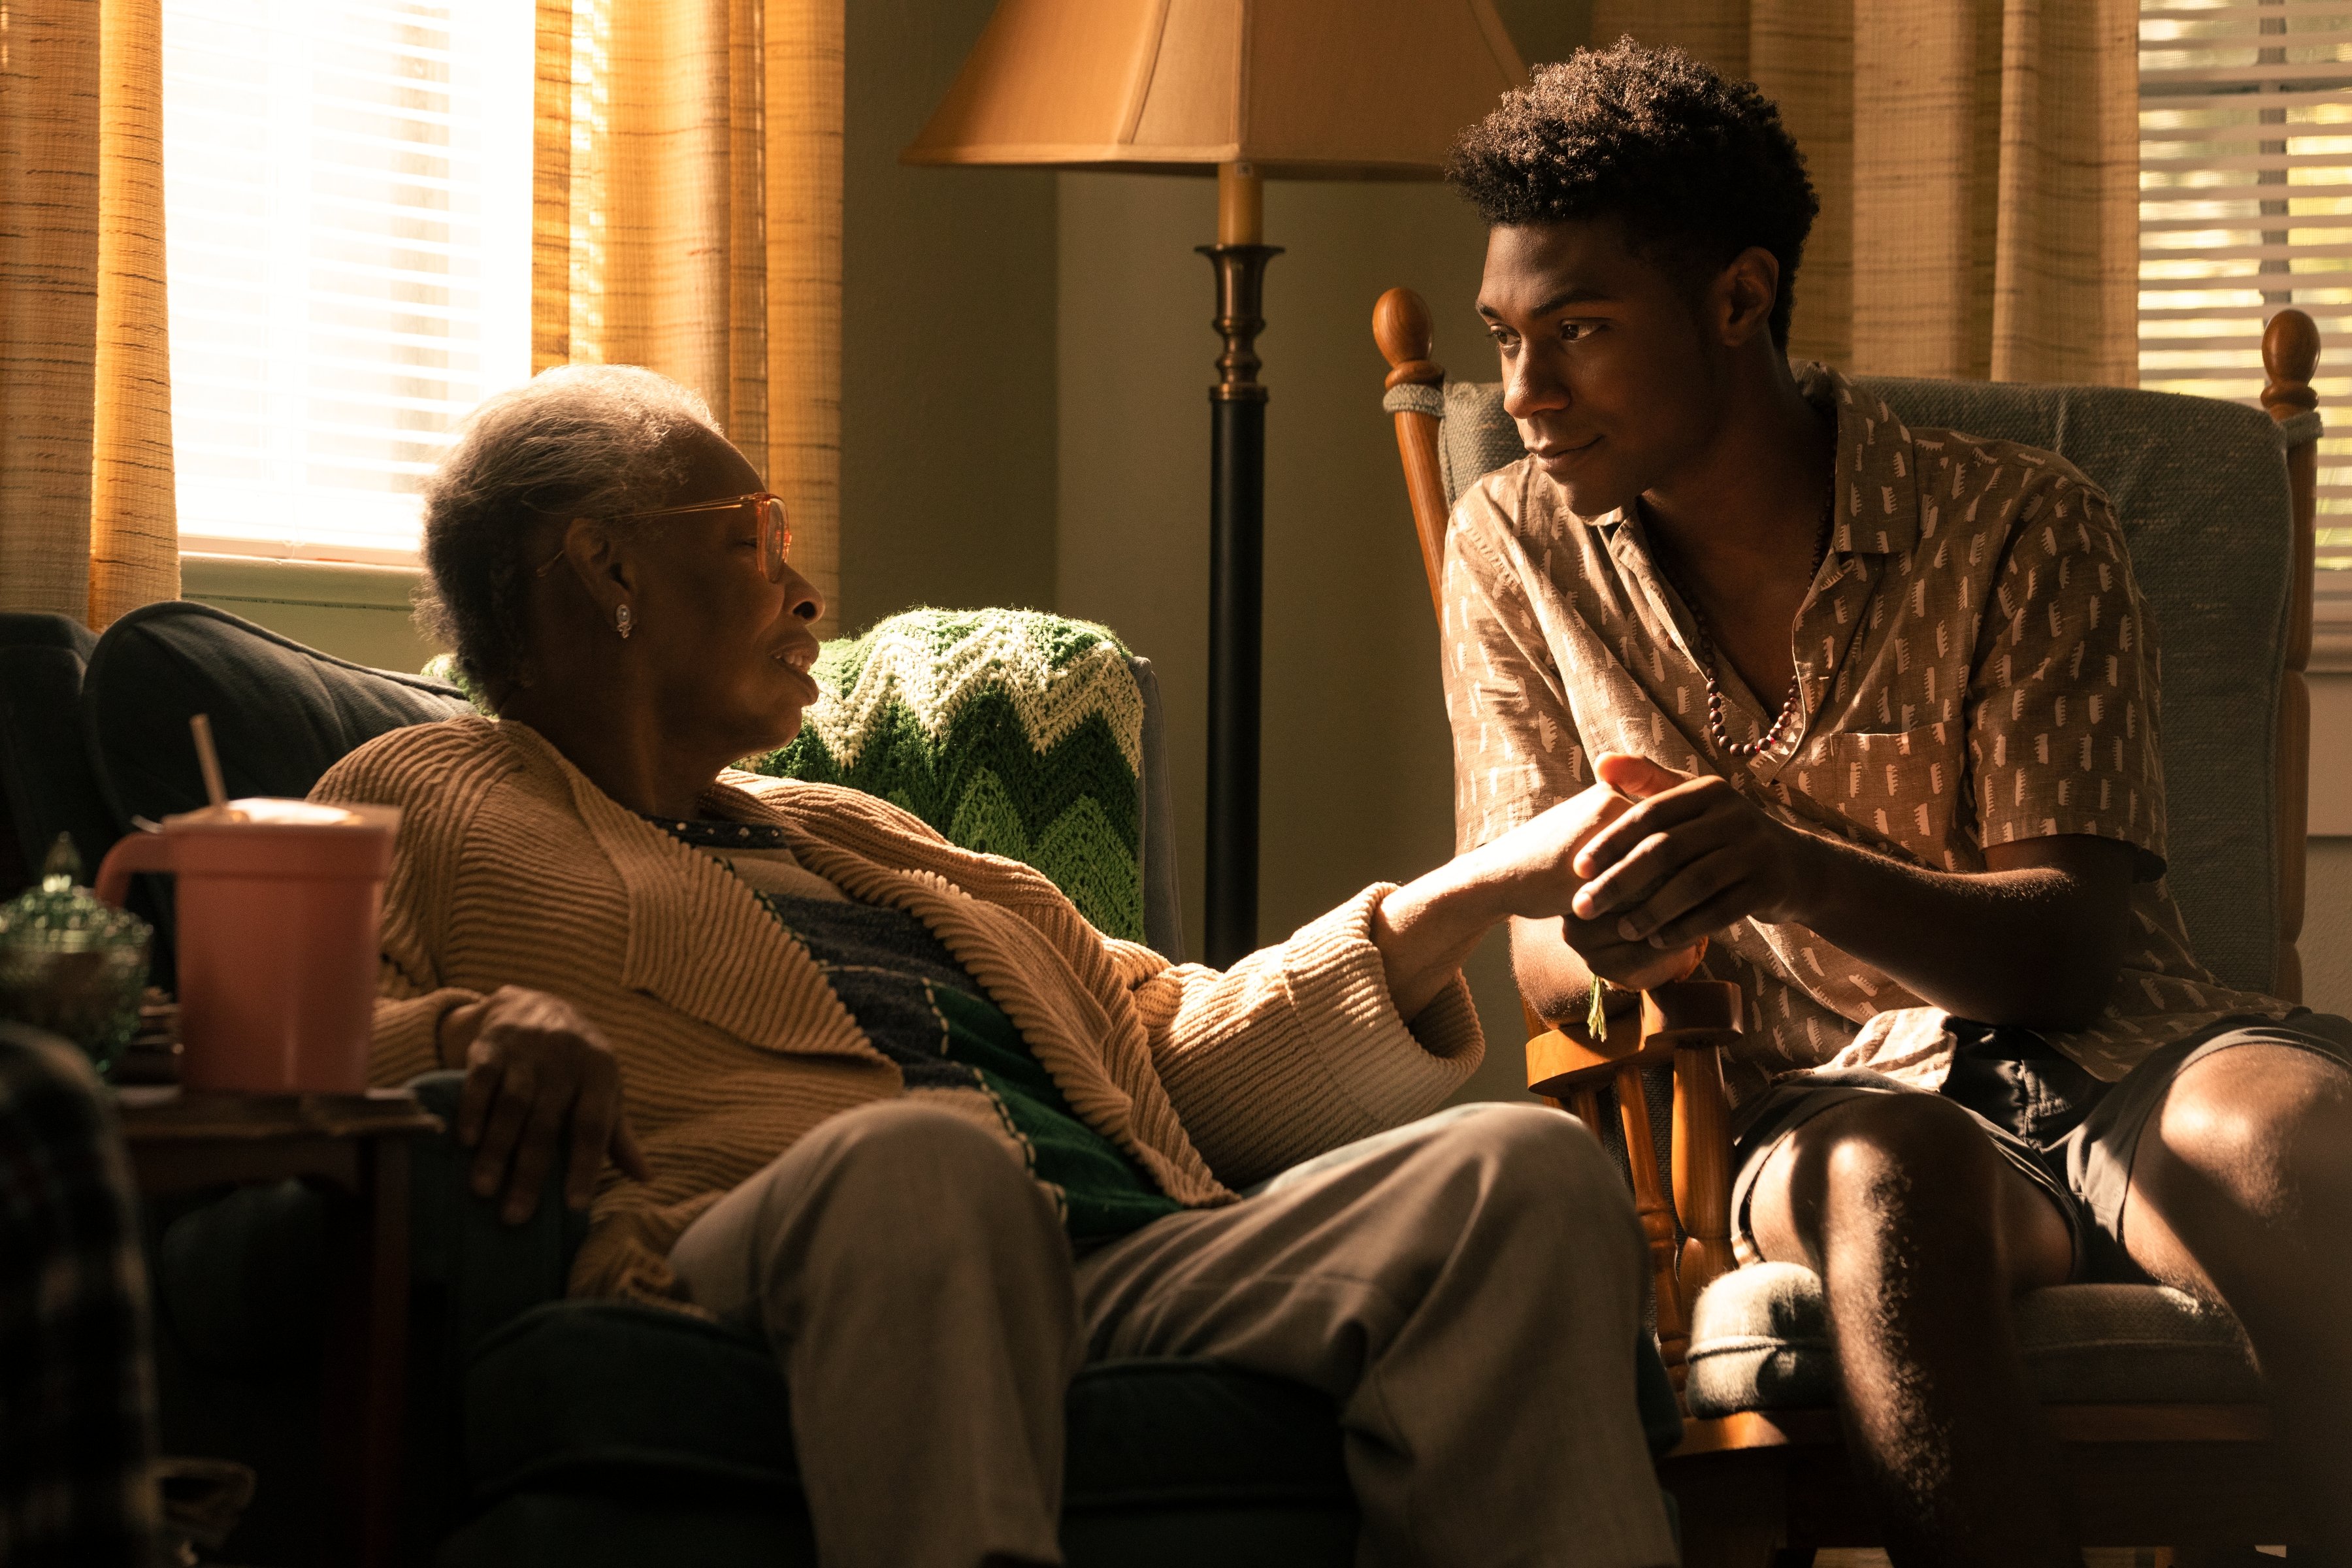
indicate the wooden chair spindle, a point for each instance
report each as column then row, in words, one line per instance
column 1656, row 1213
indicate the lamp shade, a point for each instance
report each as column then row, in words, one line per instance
column 1302, row 88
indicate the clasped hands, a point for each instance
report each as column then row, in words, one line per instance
column 1648, row 861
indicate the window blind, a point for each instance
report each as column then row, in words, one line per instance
column 2245, row 207
column 347, row 200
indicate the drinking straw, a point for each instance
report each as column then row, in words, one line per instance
column 201, row 726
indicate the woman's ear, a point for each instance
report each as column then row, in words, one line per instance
column 594, row 556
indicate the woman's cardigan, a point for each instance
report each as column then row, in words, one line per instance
column 511, row 869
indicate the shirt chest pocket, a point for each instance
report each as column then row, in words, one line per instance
column 1904, row 789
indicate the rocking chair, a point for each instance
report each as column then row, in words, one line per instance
column 2155, row 1404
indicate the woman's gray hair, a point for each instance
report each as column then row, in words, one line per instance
column 586, row 441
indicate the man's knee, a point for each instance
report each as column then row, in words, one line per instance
column 1914, row 1175
column 1891, row 1157
column 2262, row 1129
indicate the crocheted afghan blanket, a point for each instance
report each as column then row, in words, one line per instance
column 1012, row 732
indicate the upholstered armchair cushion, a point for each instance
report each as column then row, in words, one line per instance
column 1759, row 1340
column 575, row 1388
column 1475, row 436
column 282, row 714
column 45, row 777
column 1219, row 1464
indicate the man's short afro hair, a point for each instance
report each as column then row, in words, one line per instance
column 1694, row 166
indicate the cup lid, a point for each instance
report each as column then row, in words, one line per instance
column 266, row 811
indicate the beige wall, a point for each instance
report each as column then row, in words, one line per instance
column 947, row 379
column 2327, row 944
column 1546, row 30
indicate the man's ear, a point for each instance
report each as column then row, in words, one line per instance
column 1744, row 293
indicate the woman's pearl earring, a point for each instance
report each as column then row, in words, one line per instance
column 624, row 622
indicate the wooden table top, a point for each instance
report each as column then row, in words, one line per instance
column 174, row 1116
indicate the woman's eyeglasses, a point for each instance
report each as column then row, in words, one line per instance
column 768, row 518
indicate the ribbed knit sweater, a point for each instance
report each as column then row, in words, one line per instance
column 513, row 868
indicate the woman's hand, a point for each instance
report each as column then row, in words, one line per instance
column 1531, row 868
column 1426, row 927
column 534, row 1067
column 1693, row 858
column 1540, row 861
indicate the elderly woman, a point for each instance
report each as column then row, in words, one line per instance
column 895, row 1106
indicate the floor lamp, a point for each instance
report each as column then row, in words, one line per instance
column 1253, row 89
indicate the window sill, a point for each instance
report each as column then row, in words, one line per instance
column 355, row 611
column 328, row 584
column 225, row 548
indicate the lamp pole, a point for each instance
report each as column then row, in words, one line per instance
column 1236, row 564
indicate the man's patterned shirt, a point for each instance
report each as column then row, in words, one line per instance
column 1975, row 666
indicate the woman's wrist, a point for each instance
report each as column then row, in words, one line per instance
column 1427, row 927
column 1463, row 898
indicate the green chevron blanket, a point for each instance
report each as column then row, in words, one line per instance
column 1012, row 732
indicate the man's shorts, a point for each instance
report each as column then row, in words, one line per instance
column 2067, row 1133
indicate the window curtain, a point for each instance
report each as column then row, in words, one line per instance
column 1978, row 162
column 87, row 519
column 688, row 218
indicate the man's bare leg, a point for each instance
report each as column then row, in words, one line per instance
column 2242, row 1189
column 1923, row 1234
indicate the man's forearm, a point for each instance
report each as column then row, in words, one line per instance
column 2035, row 945
column 2035, row 939
column 1553, row 977
column 2003, row 947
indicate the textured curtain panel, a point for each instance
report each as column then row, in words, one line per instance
column 688, row 218
column 1978, row 167
column 86, row 506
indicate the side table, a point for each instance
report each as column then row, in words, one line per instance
column 358, row 1144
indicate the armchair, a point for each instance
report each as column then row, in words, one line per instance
column 545, row 1430
column 2153, row 1396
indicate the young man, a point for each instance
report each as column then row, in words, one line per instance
column 1887, row 701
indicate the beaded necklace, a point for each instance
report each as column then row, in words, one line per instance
column 1793, row 707
column 709, row 834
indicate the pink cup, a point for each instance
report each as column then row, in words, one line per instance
column 277, row 909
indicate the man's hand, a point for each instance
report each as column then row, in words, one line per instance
column 534, row 1067
column 1692, row 857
